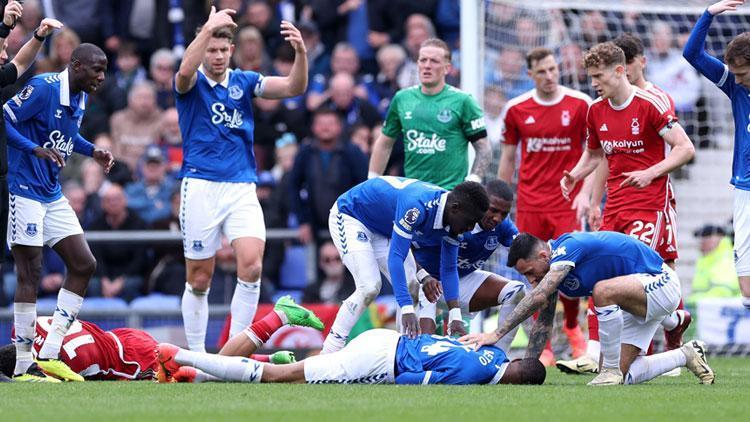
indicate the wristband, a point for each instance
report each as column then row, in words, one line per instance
column 39, row 37
column 372, row 175
column 422, row 274
column 4, row 30
column 473, row 178
column 408, row 309
column 455, row 315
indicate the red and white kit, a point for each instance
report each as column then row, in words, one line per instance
column 120, row 354
column 631, row 136
column 552, row 135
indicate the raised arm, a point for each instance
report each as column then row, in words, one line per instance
column 191, row 60
column 295, row 83
column 694, row 51
column 28, row 52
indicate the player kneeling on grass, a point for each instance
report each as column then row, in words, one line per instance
column 376, row 356
column 633, row 291
column 478, row 289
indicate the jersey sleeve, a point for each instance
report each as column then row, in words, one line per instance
column 472, row 120
column 392, row 125
column 30, row 101
column 709, row 66
column 660, row 117
column 509, row 133
column 409, row 214
column 449, row 267
column 592, row 136
column 255, row 82
column 507, row 232
column 567, row 253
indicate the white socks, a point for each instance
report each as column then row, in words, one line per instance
column 508, row 298
column 244, row 304
column 195, row 317
column 645, row 368
column 68, row 306
column 593, row 350
column 228, row 368
column 349, row 312
column 610, row 330
column 24, row 323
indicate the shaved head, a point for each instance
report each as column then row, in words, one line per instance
column 87, row 53
column 87, row 66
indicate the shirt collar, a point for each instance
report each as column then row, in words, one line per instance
column 65, row 91
column 212, row 83
column 438, row 224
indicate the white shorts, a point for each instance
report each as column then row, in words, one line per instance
column 209, row 209
column 368, row 359
column 663, row 294
column 365, row 253
column 467, row 286
column 34, row 223
column 742, row 232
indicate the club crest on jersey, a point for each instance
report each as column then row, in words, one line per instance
column 571, row 282
column 197, row 245
column 362, row 236
column 25, row 92
column 635, row 127
column 31, row 229
column 444, row 116
column 235, row 92
column 565, row 118
column 491, row 243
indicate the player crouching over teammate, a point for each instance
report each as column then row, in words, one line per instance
column 376, row 356
column 633, row 291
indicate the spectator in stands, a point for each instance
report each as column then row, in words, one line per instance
column 250, row 51
column 94, row 183
column 418, row 28
column 593, row 28
column 169, row 271
column 170, row 139
column 161, row 70
column 53, row 273
column 128, row 68
column 318, row 59
column 387, row 18
column 63, row 45
column 448, row 20
column 572, row 72
column 76, row 196
column 361, row 137
column 509, row 73
column 137, row 126
column 343, row 60
column 350, row 108
column 286, row 151
column 715, row 275
column 120, row 267
column 324, row 168
column 120, row 172
column 149, row 197
column 336, row 284
column 382, row 88
column 668, row 70
column 494, row 101
column 260, row 15
column 91, row 19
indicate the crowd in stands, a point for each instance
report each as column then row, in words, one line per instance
column 309, row 149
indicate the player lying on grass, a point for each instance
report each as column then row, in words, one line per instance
column 478, row 289
column 633, row 291
column 123, row 354
column 376, row 356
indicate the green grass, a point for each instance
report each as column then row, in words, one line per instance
column 563, row 397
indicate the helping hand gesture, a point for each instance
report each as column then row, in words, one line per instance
column 724, row 5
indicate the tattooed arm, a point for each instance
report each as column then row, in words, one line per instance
column 542, row 328
column 482, row 158
column 535, row 300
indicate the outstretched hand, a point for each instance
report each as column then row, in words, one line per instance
column 724, row 5
column 432, row 289
column 479, row 340
column 48, row 26
column 13, row 12
column 567, row 184
column 292, row 34
column 221, row 19
column 104, row 158
column 410, row 325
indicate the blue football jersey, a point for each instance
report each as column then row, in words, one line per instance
column 431, row 359
column 405, row 210
column 43, row 113
column 600, row 256
column 474, row 249
column 718, row 73
column 216, row 121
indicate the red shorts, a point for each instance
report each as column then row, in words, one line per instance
column 548, row 225
column 139, row 357
column 657, row 229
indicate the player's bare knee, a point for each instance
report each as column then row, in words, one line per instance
column 603, row 295
column 84, row 268
column 250, row 272
column 369, row 293
column 200, row 282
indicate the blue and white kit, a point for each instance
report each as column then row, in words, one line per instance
column 43, row 114
column 218, row 170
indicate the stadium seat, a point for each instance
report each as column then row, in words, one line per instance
column 156, row 302
column 102, row 304
column 295, row 294
column 293, row 272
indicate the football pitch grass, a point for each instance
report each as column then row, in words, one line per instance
column 562, row 398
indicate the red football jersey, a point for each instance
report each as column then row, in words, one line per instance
column 552, row 135
column 120, row 354
column 631, row 136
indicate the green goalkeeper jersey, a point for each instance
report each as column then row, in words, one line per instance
column 436, row 130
